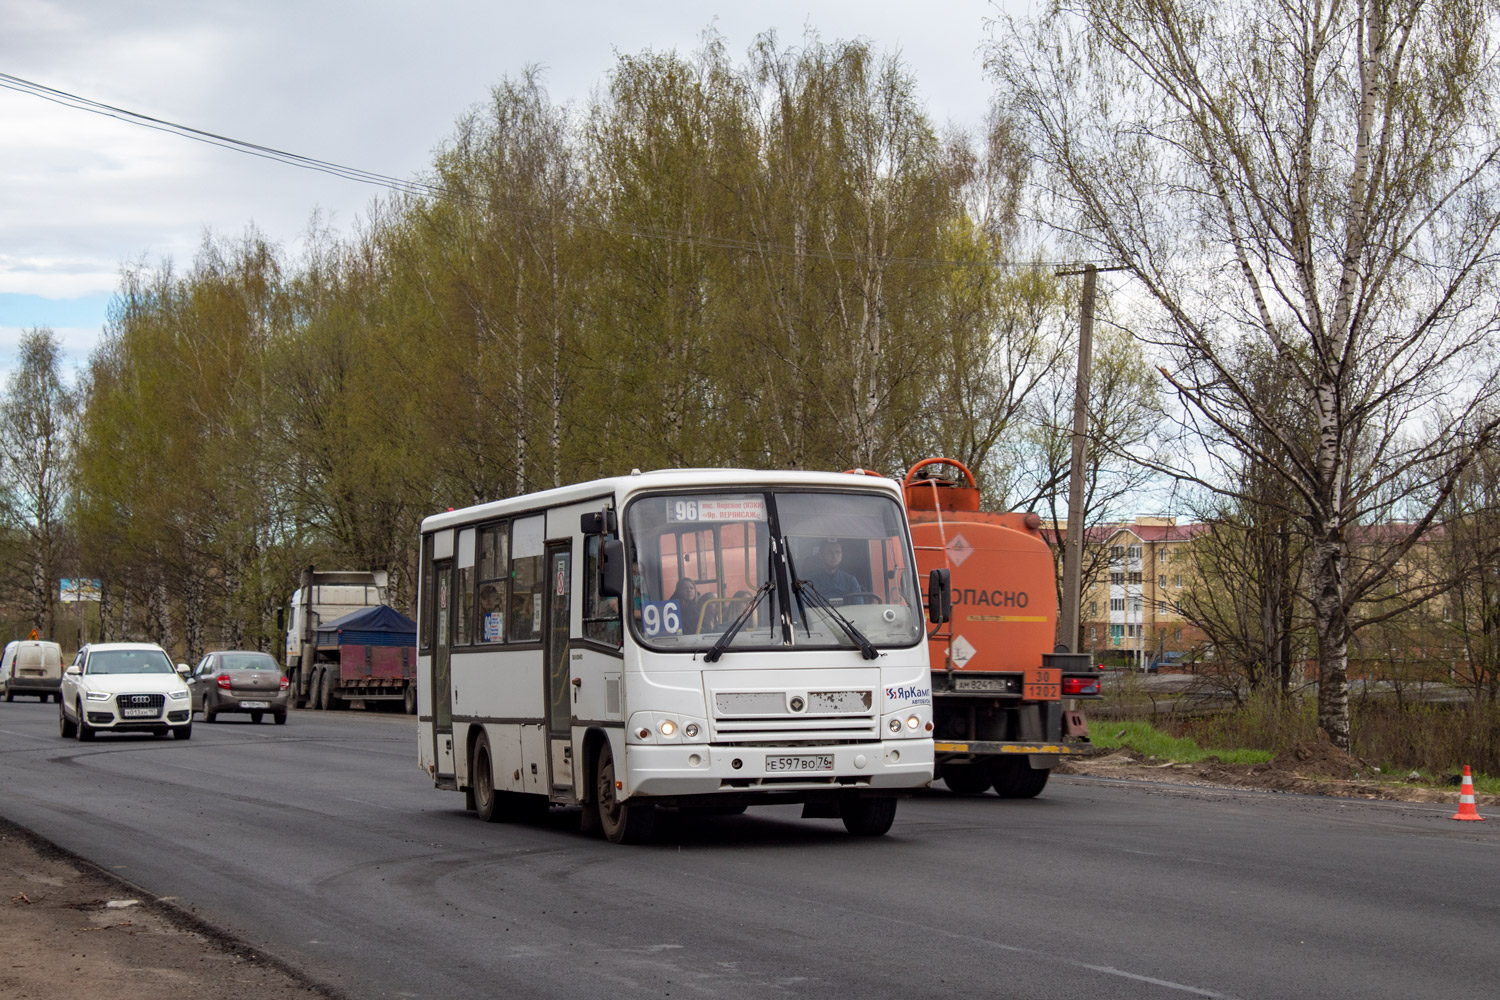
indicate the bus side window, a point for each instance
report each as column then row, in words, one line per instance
column 527, row 578
column 601, row 615
column 494, row 568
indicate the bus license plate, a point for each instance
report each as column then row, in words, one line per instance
column 805, row 762
column 138, row 713
column 255, row 704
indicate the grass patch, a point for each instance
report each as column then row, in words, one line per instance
column 1149, row 741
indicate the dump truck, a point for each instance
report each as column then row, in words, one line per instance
column 1003, row 693
column 345, row 645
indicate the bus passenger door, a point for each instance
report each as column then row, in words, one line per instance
column 442, row 680
column 558, row 613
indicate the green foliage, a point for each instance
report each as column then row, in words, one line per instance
column 777, row 263
column 1147, row 740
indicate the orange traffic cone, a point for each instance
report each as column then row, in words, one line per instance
column 1466, row 808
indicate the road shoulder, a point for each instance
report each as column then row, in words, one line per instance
column 69, row 928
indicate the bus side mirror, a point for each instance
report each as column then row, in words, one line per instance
column 939, row 597
column 612, row 567
column 599, row 522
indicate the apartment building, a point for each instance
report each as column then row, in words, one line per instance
column 1136, row 575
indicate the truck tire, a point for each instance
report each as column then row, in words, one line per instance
column 622, row 822
column 868, row 817
column 411, row 699
column 327, row 684
column 970, row 778
column 1016, row 779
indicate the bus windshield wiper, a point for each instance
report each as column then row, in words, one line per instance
column 717, row 649
column 866, row 647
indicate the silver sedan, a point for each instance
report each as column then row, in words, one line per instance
column 235, row 680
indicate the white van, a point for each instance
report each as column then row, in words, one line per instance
column 32, row 666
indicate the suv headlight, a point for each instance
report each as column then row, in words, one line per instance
column 183, row 695
column 98, row 695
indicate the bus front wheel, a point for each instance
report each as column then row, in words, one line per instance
column 622, row 822
column 868, row 817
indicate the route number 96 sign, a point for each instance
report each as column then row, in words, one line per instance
column 661, row 618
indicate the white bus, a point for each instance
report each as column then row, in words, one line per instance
column 771, row 649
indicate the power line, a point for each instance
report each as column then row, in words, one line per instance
column 422, row 189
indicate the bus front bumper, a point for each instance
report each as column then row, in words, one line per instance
column 704, row 769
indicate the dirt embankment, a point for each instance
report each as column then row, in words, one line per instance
column 1313, row 768
column 69, row 930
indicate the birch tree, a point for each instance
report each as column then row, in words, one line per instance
column 1316, row 176
column 36, row 427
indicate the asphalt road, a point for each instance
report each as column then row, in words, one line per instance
column 322, row 843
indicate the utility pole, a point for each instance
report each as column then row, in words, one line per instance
column 1072, row 595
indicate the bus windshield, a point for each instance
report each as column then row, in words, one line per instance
column 769, row 570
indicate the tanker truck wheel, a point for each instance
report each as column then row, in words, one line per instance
column 970, row 778
column 411, row 699
column 1015, row 779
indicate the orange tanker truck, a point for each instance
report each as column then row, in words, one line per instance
column 998, row 683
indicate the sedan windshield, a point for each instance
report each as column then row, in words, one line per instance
column 129, row 661
column 727, row 571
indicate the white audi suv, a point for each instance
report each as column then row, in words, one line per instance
column 124, row 687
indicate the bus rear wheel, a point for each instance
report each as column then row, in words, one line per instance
column 622, row 822
column 1016, row 779
column 868, row 817
column 482, row 782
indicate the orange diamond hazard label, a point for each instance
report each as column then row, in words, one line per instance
column 959, row 549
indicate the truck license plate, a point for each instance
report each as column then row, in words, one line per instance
column 255, row 704
column 805, row 762
column 978, row 684
column 138, row 713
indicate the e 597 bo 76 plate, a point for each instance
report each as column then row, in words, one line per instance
column 801, row 762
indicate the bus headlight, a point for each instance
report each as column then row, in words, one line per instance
column 668, row 727
column 895, row 725
column 912, row 722
column 690, row 730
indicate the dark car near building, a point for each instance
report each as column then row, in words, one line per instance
column 240, row 680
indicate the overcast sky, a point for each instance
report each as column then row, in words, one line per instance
column 375, row 85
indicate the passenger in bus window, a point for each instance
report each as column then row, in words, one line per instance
column 491, row 615
column 686, row 596
column 826, row 576
column 638, row 594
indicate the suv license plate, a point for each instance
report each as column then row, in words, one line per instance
column 139, row 713
column 255, row 704
column 805, row 762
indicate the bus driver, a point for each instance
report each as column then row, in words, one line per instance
column 826, row 577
